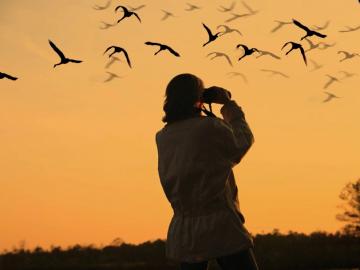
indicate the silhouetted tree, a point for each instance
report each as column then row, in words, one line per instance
column 351, row 215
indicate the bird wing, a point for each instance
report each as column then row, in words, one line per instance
column 75, row 61
column 123, row 8
column 137, row 16
column 109, row 49
column 57, row 50
column 243, row 46
column 152, row 43
column 297, row 23
column 10, row 77
column 328, row 83
column 274, row 55
column 319, row 34
column 127, row 57
column 207, row 30
column 228, row 59
column 286, row 44
column 247, row 7
column 172, row 51
column 345, row 53
column 303, row 54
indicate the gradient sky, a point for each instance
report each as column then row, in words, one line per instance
column 78, row 156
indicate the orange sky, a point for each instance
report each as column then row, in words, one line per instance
column 78, row 156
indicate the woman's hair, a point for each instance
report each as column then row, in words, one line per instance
column 182, row 92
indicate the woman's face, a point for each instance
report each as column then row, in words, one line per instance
column 199, row 103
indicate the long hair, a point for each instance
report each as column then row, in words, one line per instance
column 182, row 92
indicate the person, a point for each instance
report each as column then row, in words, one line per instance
column 196, row 154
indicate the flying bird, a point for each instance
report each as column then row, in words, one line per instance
column 220, row 54
column 236, row 16
column 118, row 50
column 228, row 30
column 135, row 8
column 316, row 65
column 127, row 13
column 312, row 45
column 309, row 32
column 350, row 29
column 162, row 48
column 106, row 25
column 7, row 76
column 329, row 97
column 63, row 59
column 97, row 7
column 262, row 53
column 320, row 28
column 225, row 9
column 275, row 72
column 347, row 55
column 167, row 14
column 192, row 7
column 112, row 76
column 112, row 60
column 347, row 74
column 331, row 80
column 295, row 46
column 212, row 36
column 235, row 74
column 324, row 46
column 280, row 25
column 247, row 51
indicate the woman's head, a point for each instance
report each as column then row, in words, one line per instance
column 182, row 98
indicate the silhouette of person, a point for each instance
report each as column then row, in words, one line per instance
column 196, row 155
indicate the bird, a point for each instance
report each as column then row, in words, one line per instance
column 319, row 28
column 135, row 8
column 192, row 7
column 316, row 65
column 236, row 16
column 127, row 13
column 166, row 15
column 97, row 7
column 63, row 59
column 275, row 72
column 220, row 54
column 329, row 97
column 7, row 76
column 251, row 11
column 228, row 30
column 324, row 46
column 225, row 9
column 347, row 55
column 296, row 46
column 332, row 79
column 112, row 60
column 212, row 36
column 347, row 74
column 118, row 50
column 280, row 24
column 262, row 53
column 106, row 25
column 247, row 51
column 350, row 29
column 235, row 74
column 162, row 48
column 312, row 45
column 111, row 76
column 309, row 32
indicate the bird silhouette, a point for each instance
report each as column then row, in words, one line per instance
column 309, row 32
column 220, row 54
column 118, row 50
column 331, row 80
column 347, row 74
column 235, row 74
column 106, row 25
column 7, row 76
column 262, row 53
column 280, row 25
column 97, row 7
column 192, row 7
column 295, row 46
column 211, row 36
column 227, row 30
column 347, row 55
column 162, row 48
column 112, row 76
column 251, row 11
column 324, row 46
column 236, row 16
column 112, row 60
column 127, row 13
column 316, row 65
column 330, row 96
column 350, row 29
column 130, row 8
column 63, row 59
column 225, row 9
column 320, row 28
column 312, row 45
column 167, row 14
column 275, row 72
column 247, row 51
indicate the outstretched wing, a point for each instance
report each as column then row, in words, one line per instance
column 319, row 34
column 152, row 43
column 172, row 51
column 344, row 52
column 297, row 23
column 108, row 49
column 137, row 16
column 207, row 30
column 242, row 46
column 75, row 61
column 247, row 7
column 286, row 44
column 57, row 50
column 228, row 59
column 303, row 54
column 127, row 57
column 9, row 76
column 122, row 7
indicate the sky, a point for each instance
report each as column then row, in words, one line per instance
column 78, row 155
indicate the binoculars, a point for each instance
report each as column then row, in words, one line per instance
column 210, row 94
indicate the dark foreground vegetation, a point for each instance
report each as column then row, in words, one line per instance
column 293, row 251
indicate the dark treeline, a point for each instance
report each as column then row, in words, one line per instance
column 295, row 251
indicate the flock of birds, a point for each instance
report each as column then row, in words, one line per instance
column 129, row 12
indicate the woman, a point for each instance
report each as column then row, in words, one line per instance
column 195, row 159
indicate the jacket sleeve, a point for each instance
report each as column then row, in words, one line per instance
column 234, row 135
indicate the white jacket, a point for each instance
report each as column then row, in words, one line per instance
column 195, row 160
